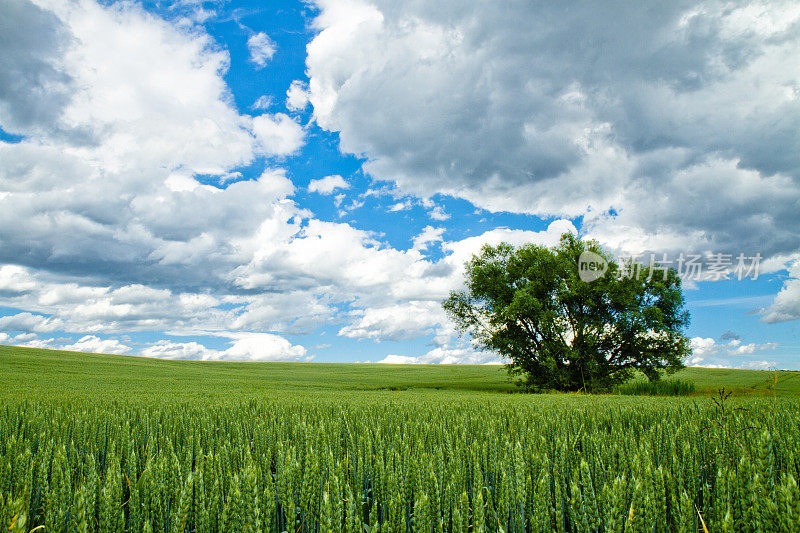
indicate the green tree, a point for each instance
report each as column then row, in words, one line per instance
column 530, row 305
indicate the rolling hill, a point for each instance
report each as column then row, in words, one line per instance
column 33, row 373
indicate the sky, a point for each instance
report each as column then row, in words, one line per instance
column 303, row 181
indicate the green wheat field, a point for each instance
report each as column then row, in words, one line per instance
column 114, row 443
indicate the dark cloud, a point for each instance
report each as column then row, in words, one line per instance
column 729, row 336
column 553, row 108
column 33, row 88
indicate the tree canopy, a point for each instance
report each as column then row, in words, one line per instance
column 532, row 306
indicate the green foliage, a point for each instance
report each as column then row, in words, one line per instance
column 530, row 306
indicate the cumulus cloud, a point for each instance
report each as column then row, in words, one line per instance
column 712, row 362
column 123, row 234
column 328, row 184
column 34, row 88
column 706, row 351
column 34, row 342
column 428, row 236
column 243, row 347
column 294, row 282
column 277, row 134
column 461, row 251
column 165, row 349
column 28, row 323
column 86, row 343
column 150, row 94
column 447, row 356
column 297, row 96
column 759, row 365
column 399, row 206
column 15, row 280
column 155, row 102
column 404, row 321
column 129, row 124
column 261, row 48
column 713, row 205
column 260, row 347
column 786, row 305
column 94, row 344
column 409, row 305
column 550, row 109
column 122, row 201
column 438, row 213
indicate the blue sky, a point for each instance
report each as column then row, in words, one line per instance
column 303, row 181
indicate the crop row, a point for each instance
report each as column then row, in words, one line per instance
column 511, row 465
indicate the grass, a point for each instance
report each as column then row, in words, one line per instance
column 30, row 373
column 704, row 381
column 44, row 374
column 666, row 387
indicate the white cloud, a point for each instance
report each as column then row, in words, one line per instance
column 462, row 250
column 437, row 213
column 786, row 305
column 760, row 365
column 15, row 279
column 429, row 235
column 708, row 347
column 46, row 344
column 297, row 96
column 263, row 102
column 34, row 89
column 399, row 206
column 28, row 323
column 714, row 205
column 404, row 321
column 713, row 362
column 244, row 347
column 152, row 94
column 120, row 234
column 260, row 347
column 400, row 360
column 703, row 346
column 328, row 184
column 355, row 204
column 410, row 303
column 106, row 183
column 278, row 134
column 261, row 48
column 447, row 356
column 94, row 344
column 165, row 349
column 87, row 343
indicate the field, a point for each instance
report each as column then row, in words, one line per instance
column 111, row 443
column 46, row 374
